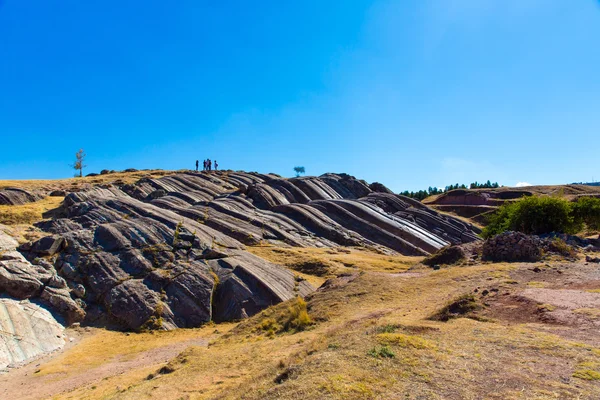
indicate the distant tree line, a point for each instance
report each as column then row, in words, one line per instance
column 422, row 194
column 586, row 183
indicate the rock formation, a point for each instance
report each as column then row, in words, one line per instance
column 16, row 196
column 27, row 331
column 169, row 252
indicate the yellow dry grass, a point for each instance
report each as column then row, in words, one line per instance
column 51, row 184
column 327, row 262
column 102, row 346
column 29, row 213
column 460, row 217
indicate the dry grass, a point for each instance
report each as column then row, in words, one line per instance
column 328, row 262
column 384, row 315
column 454, row 215
column 29, row 213
column 103, row 346
column 54, row 184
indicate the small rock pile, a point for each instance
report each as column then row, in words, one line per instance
column 513, row 246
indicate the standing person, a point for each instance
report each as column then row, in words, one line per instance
column 204, row 165
column 209, row 164
column 197, row 163
column 216, row 165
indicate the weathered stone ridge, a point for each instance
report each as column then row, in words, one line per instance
column 16, row 196
column 169, row 252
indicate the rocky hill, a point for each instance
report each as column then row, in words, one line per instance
column 168, row 252
column 510, row 318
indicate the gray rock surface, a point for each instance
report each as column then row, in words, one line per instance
column 27, row 331
column 39, row 281
column 169, row 252
column 16, row 196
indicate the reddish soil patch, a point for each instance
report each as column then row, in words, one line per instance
column 563, row 305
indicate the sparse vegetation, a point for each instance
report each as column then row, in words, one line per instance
column 324, row 262
column 349, row 354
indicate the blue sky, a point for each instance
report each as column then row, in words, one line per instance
column 410, row 93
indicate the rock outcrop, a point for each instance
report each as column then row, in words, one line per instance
column 169, row 252
column 16, row 196
column 27, row 331
column 36, row 280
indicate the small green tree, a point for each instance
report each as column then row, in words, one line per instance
column 299, row 170
column 79, row 159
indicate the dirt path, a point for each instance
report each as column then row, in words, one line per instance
column 567, row 299
column 23, row 384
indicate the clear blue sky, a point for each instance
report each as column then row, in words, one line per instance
column 410, row 93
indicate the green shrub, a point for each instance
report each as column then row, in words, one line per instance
column 534, row 215
column 382, row 351
column 586, row 210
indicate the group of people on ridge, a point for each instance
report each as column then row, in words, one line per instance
column 208, row 164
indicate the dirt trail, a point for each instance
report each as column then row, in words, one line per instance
column 23, row 384
column 564, row 298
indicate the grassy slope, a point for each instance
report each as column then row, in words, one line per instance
column 55, row 184
column 335, row 358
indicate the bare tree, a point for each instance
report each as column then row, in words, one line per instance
column 78, row 164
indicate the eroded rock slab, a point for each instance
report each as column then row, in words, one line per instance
column 16, row 196
column 27, row 331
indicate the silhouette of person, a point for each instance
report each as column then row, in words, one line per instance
column 209, row 164
column 197, row 163
column 204, row 165
column 216, row 165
